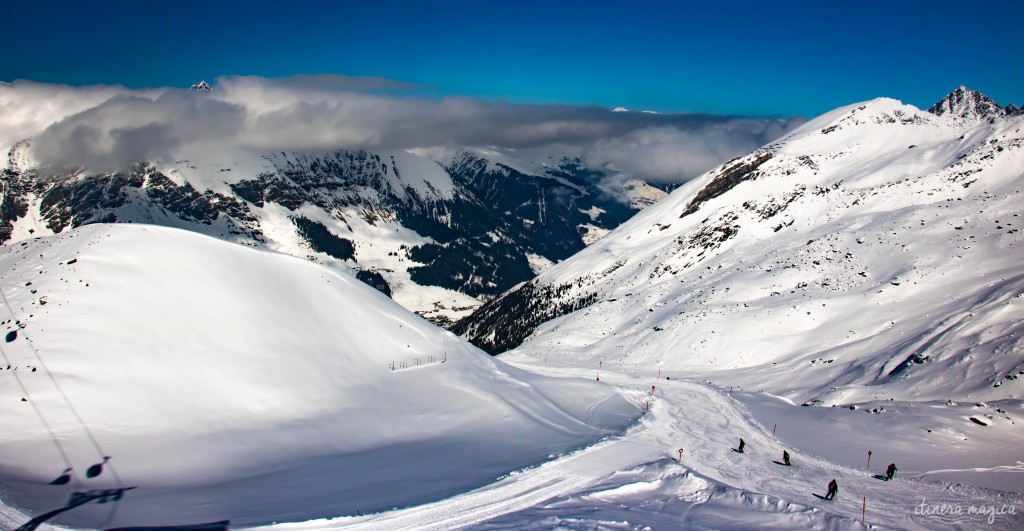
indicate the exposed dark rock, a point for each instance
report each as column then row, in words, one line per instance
column 732, row 173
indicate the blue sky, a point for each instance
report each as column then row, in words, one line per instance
column 739, row 58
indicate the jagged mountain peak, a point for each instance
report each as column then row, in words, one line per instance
column 965, row 103
column 202, row 86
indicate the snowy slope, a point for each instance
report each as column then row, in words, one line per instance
column 635, row 481
column 230, row 382
column 870, row 259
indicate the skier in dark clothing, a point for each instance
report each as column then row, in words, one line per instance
column 833, row 489
column 890, row 472
column 742, row 444
column 785, row 458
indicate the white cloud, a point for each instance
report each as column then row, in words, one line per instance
column 104, row 128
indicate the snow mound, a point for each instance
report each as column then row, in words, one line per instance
column 230, row 382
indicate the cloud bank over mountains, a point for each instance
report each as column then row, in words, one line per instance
column 106, row 128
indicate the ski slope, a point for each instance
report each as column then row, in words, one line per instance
column 227, row 382
column 634, row 481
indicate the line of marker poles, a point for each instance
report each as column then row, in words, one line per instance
column 416, row 363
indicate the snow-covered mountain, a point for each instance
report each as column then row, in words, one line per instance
column 438, row 231
column 221, row 395
column 202, row 86
column 874, row 254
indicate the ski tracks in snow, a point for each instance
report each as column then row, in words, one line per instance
column 516, row 492
column 707, row 424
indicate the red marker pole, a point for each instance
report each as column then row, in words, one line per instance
column 652, row 390
column 680, row 456
column 869, row 460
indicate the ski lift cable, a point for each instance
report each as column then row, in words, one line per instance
column 39, row 413
column 104, row 457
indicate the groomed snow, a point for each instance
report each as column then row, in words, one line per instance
column 229, row 382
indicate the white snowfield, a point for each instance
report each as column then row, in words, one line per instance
column 227, row 382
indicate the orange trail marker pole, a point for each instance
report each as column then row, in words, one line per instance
column 869, row 460
column 864, row 510
column 680, row 456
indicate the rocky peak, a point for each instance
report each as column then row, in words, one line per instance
column 968, row 104
column 202, row 86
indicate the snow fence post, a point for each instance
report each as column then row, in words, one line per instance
column 773, row 429
column 864, row 510
column 648, row 407
column 680, row 456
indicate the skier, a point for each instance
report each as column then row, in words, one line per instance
column 833, row 489
column 785, row 458
column 890, row 472
column 742, row 444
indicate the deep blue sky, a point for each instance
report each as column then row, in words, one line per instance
column 754, row 58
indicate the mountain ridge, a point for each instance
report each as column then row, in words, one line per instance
column 824, row 217
column 438, row 238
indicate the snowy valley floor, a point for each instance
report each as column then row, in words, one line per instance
column 635, row 482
